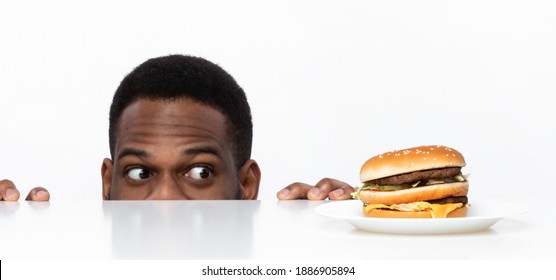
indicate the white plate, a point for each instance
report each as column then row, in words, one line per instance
column 481, row 215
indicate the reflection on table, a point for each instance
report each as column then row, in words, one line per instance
column 247, row 230
column 173, row 229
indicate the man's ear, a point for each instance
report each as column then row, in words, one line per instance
column 249, row 180
column 106, row 173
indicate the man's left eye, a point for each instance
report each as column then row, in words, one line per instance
column 199, row 173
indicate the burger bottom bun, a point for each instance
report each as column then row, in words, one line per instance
column 385, row 213
column 425, row 193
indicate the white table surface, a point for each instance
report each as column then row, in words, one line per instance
column 247, row 230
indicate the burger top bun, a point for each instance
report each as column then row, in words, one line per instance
column 410, row 160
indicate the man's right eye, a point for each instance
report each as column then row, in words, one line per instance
column 138, row 173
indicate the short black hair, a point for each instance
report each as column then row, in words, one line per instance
column 178, row 76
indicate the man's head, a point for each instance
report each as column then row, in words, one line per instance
column 180, row 128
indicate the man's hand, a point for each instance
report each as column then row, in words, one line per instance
column 327, row 187
column 8, row 192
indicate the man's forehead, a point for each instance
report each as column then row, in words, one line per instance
column 180, row 117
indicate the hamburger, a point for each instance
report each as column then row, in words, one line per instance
column 418, row 182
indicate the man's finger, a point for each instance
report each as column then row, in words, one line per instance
column 38, row 194
column 294, row 191
column 324, row 187
column 8, row 191
column 342, row 193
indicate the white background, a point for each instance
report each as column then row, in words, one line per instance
column 330, row 83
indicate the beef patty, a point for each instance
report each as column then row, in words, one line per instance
column 451, row 199
column 419, row 175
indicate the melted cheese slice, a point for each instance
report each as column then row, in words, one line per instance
column 437, row 210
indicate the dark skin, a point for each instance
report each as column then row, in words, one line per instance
column 176, row 150
column 325, row 188
column 180, row 150
column 8, row 192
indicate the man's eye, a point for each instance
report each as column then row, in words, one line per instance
column 138, row 173
column 199, row 173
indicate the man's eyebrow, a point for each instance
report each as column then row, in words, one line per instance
column 133, row 152
column 201, row 150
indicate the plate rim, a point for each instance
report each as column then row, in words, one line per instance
column 488, row 220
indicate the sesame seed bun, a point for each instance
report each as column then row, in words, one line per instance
column 410, row 160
